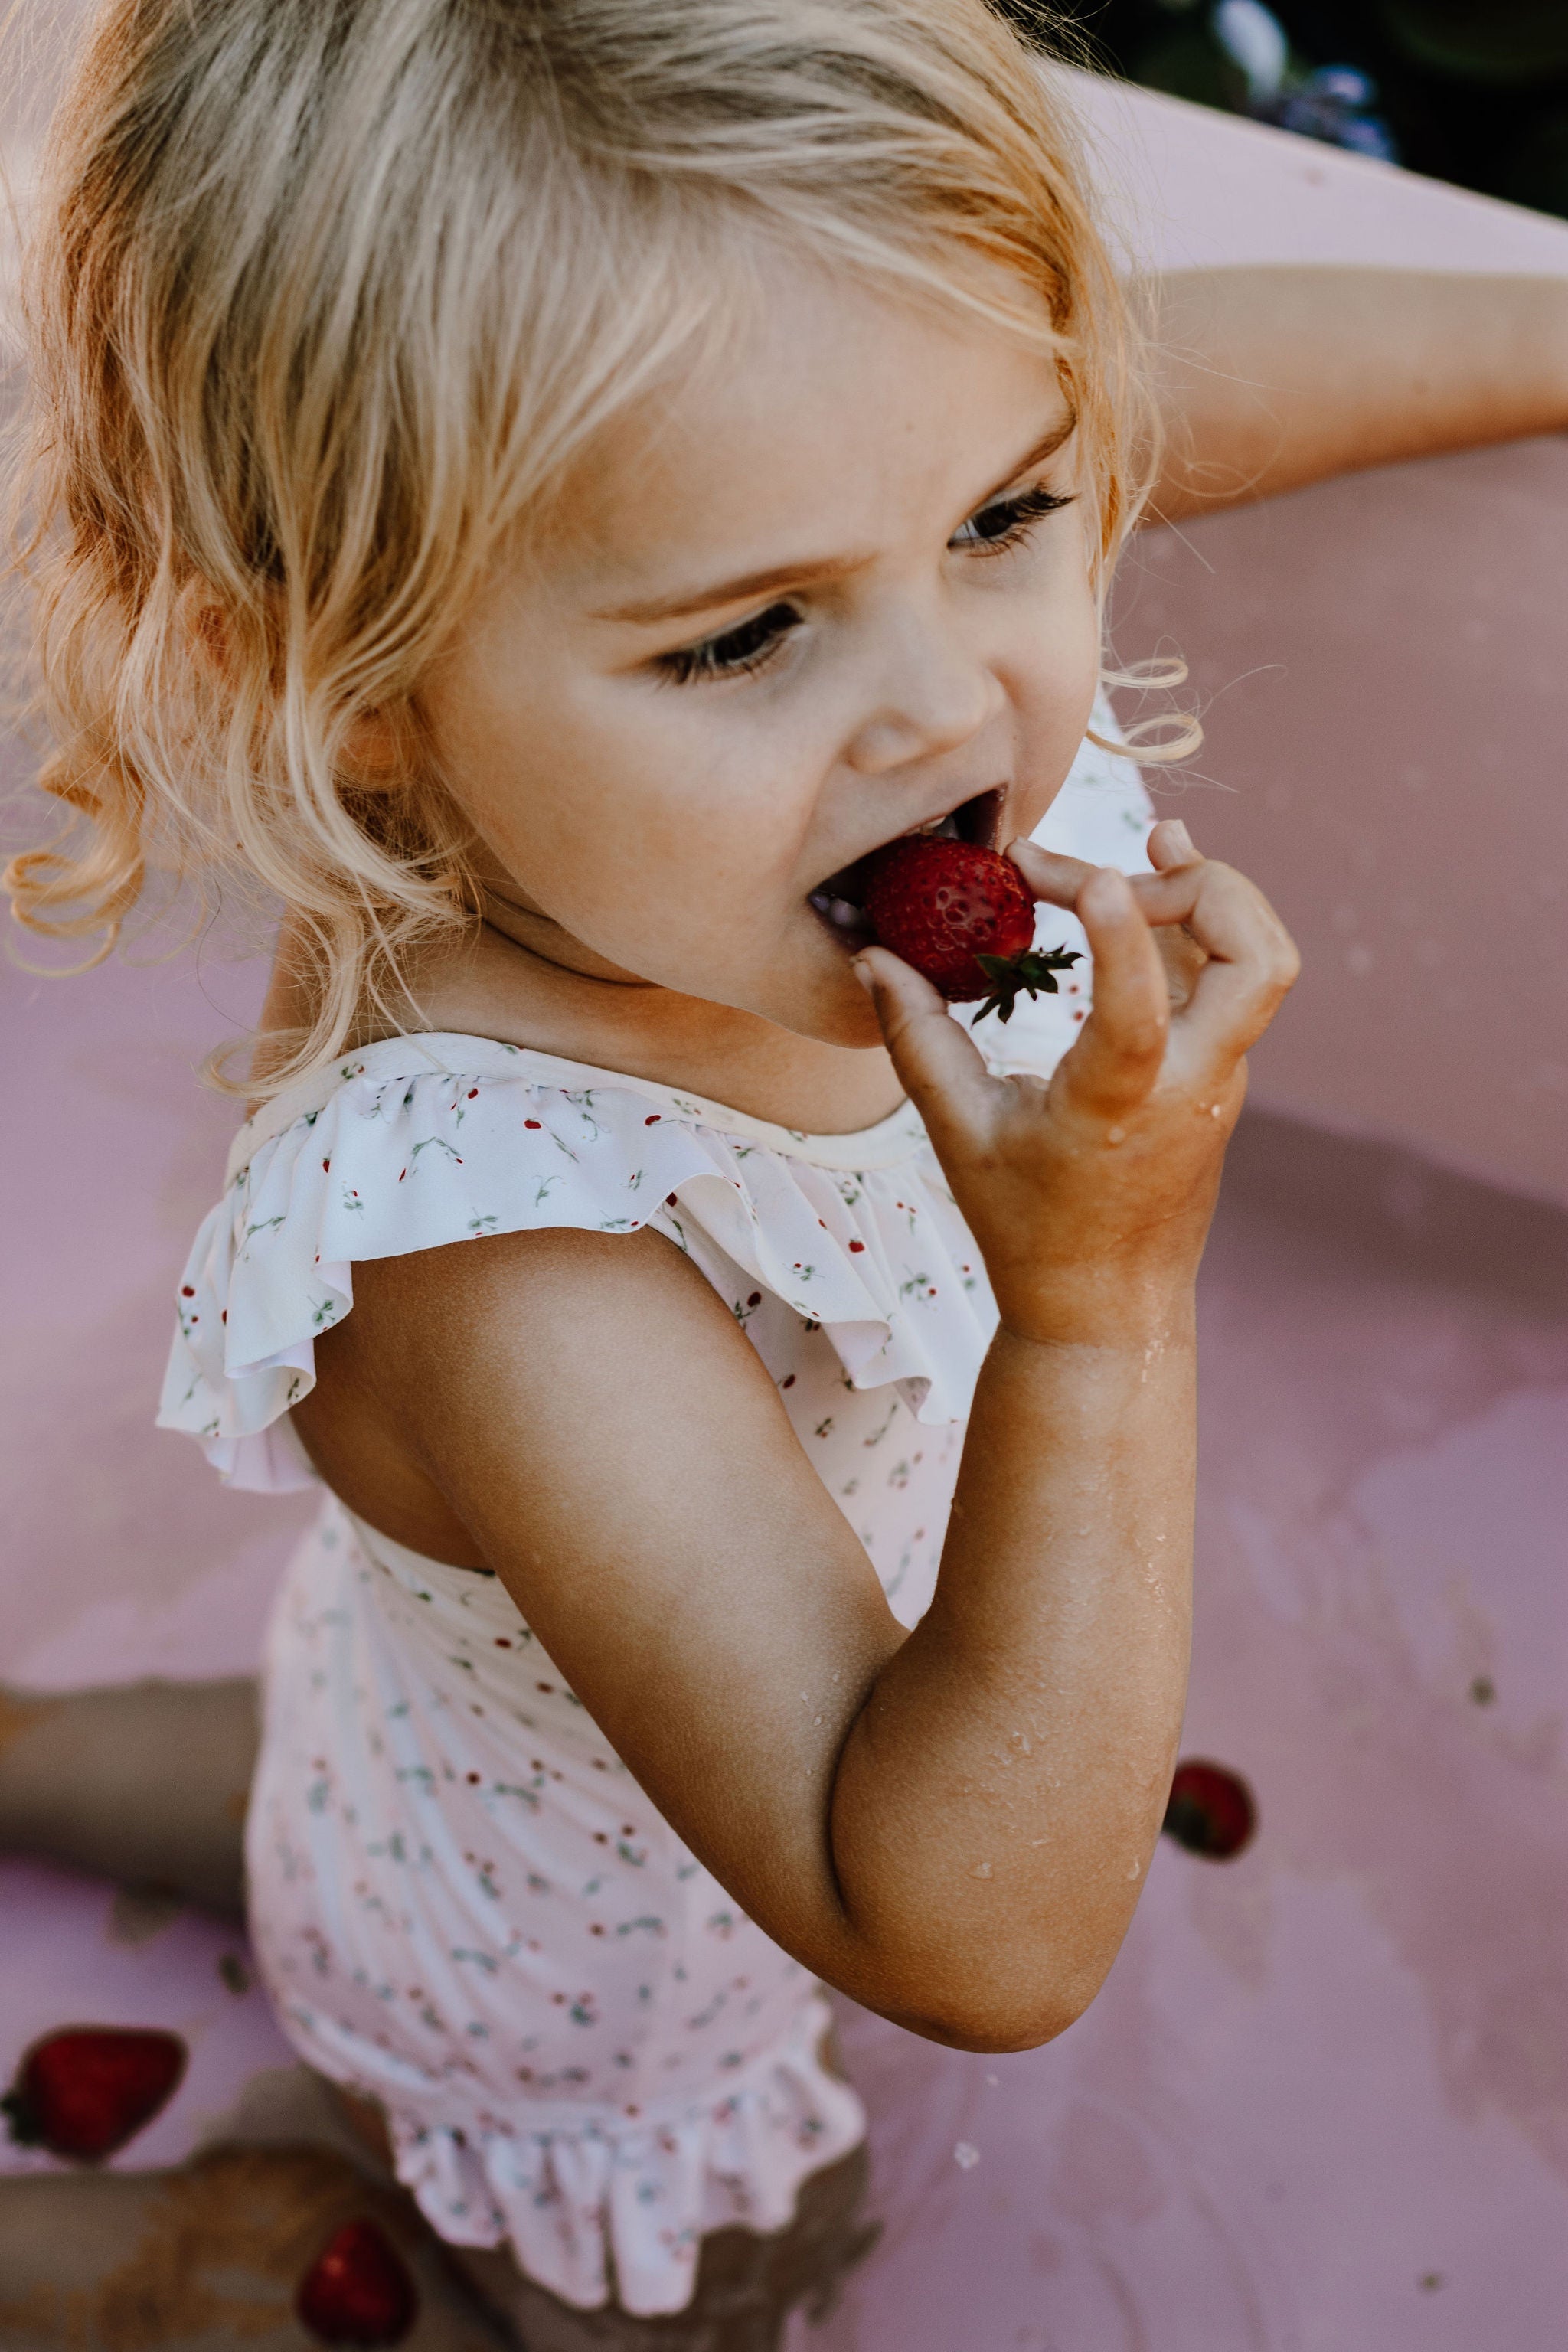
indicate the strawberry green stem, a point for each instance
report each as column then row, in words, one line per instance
column 1031, row 974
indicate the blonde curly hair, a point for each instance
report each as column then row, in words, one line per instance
column 326, row 297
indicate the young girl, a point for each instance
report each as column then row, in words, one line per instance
column 544, row 488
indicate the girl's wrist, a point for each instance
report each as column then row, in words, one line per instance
column 1141, row 1319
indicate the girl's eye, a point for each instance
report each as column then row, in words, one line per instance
column 996, row 528
column 1005, row 521
column 747, row 647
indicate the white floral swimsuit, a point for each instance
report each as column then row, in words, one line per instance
column 463, row 1904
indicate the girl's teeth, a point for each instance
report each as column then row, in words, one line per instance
column 841, row 913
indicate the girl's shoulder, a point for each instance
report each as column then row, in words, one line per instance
column 422, row 1141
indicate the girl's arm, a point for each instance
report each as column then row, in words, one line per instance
column 1270, row 378
column 952, row 1825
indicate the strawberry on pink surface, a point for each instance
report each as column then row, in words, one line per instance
column 1210, row 1811
column 358, row 2290
column 84, row 2092
column 963, row 917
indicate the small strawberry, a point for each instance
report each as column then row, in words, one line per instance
column 358, row 2289
column 1211, row 1811
column 963, row 917
column 84, row 2092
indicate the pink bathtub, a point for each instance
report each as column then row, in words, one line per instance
column 1323, row 2104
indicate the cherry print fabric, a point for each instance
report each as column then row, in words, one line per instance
column 462, row 1904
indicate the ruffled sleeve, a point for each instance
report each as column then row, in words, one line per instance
column 428, row 1141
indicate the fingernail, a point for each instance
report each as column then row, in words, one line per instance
column 1188, row 842
column 862, row 972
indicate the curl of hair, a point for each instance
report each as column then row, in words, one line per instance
column 325, row 298
column 1165, row 736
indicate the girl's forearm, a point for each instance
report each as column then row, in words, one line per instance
column 1001, row 1790
column 1267, row 379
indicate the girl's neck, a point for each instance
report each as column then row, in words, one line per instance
column 503, row 983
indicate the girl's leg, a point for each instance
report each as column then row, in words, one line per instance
column 142, row 1782
column 208, row 2256
column 747, row 2284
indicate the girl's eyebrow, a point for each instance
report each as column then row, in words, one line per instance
column 731, row 592
column 784, row 575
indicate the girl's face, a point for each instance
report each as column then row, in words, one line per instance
column 833, row 593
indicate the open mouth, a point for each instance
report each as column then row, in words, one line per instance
column 837, row 902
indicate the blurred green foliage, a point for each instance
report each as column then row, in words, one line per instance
column 1475, row 92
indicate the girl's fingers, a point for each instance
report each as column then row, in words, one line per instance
column 1059, row 879
column 1117, row 1057
column 1171, row 844
column 940, row 1067
column 1251, row 957
column 1242, row 962
column 1055, row 879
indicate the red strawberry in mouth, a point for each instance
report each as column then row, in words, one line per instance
column 84, row 2092
column 840, row 902
column 1211, row 1811
column 358, row 2290
column 964, row 918
column 944, row 901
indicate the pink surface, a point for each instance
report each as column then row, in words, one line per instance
column 1385, row 735
column 1323, row 2101
column 1379, row 663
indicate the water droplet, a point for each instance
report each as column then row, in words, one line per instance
column 980, row 1870
column 965, row 2156
column 992, row 2081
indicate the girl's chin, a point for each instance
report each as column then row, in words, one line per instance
column 843, row 1016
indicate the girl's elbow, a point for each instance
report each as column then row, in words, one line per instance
column 992, row 2033
column 1015, row 1989
column 993, row 2020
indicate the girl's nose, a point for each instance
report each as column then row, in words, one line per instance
column 933, row 695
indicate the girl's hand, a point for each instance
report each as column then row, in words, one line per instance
column 1090, row 1196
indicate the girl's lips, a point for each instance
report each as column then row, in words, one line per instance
column 838, row 901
